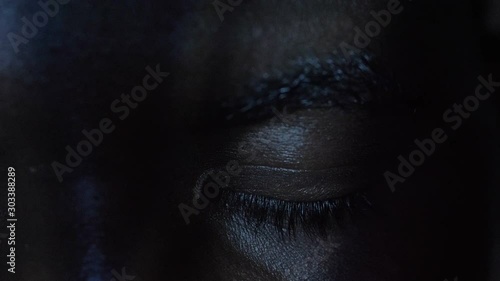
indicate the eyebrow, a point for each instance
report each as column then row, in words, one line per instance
column 332, row 82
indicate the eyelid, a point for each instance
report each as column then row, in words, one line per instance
column 300, row 185
column 313, row 217
column 313, row 200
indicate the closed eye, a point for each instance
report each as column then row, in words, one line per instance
column 287, row 217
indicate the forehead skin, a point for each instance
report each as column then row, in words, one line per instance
column 262, row 37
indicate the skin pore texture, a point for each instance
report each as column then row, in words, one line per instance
column 317, row 155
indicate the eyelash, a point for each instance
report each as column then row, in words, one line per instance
column 315, row 217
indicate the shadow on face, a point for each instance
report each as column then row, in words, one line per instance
column 276, row 129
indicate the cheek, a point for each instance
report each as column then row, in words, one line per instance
column 389, row 248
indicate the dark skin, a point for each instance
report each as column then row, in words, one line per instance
column 316, row 154
column 399, row 243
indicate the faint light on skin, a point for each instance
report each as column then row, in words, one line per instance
column 313, row 139
column 285, row 140
column 205, row 190
column 313, row 254
column 265, row 142
column 321, row 253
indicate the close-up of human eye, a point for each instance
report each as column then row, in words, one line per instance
column 315, row 217
column 249, row 140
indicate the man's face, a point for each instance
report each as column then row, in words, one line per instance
column 309, row 103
